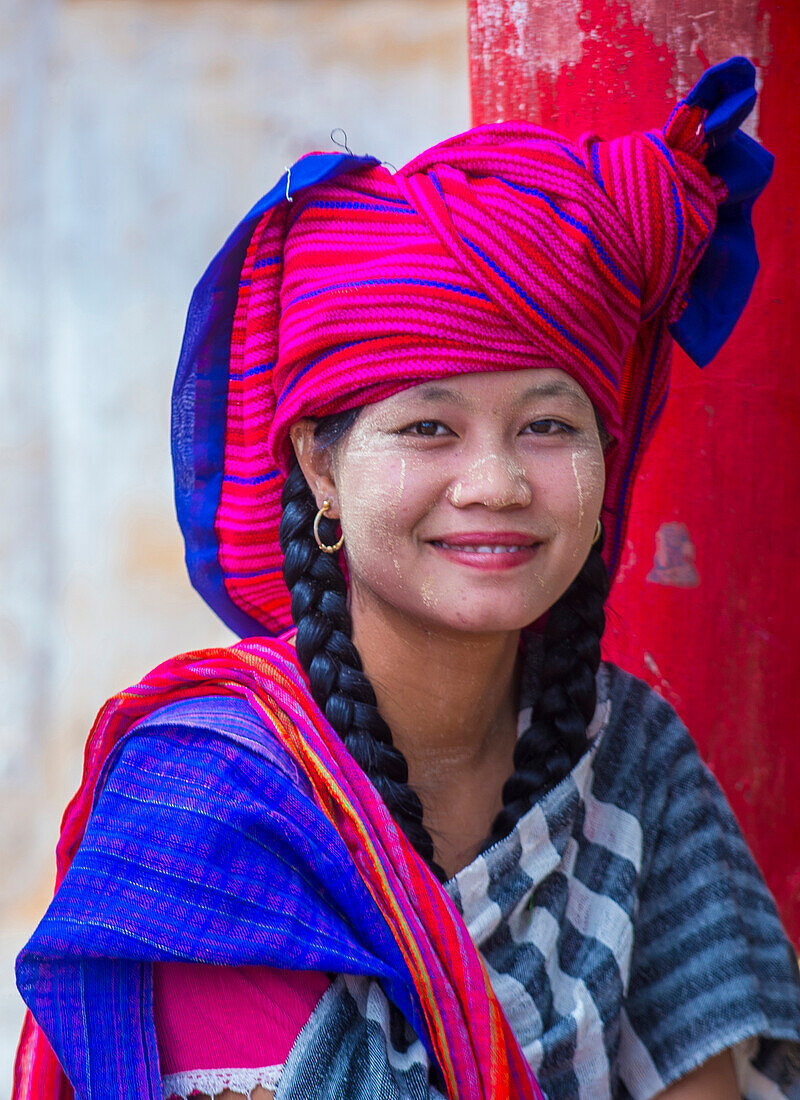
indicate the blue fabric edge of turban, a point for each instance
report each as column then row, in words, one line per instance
column 200, row 391
column 721, row 283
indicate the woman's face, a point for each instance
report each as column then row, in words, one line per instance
column 468, row 503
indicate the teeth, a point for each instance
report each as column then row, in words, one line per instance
column 484, row 549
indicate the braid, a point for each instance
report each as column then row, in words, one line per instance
column 557, row 739
column 326, row 651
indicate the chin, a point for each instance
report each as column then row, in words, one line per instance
column 462, row 608
column 489, row 620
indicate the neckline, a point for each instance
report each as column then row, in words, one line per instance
column 532, row 644
column 566, row 788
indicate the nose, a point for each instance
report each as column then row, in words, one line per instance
column 494, row 480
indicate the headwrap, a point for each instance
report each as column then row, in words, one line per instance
column 507, row 247
column 233, row 864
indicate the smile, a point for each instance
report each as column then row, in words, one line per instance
column 481, row 548
column 487, row 552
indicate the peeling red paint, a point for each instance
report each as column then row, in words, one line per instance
column 659, row 682
column 727, row 650
column 540, row 59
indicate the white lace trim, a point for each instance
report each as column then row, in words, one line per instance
column 211, row 1082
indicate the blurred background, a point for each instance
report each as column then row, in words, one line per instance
column 133, row 136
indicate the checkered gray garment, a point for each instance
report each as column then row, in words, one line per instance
column 627, row 933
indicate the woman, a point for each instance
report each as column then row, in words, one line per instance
column 407, row 421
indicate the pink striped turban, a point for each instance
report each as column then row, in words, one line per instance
column 504, row 248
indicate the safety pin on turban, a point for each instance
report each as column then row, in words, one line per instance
column 288, row 171
column 342, row 144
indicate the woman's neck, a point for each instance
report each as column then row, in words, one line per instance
column 451, row 703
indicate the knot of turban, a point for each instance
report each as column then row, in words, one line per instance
column 506, row 247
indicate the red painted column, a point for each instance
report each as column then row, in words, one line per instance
column 706, row 606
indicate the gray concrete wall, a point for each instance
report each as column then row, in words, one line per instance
column 133, row 135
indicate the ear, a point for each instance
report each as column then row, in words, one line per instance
column 315, row 462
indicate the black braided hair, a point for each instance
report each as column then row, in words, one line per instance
column 556, row 738
column 325, row 650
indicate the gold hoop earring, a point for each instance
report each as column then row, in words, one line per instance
column 597, row 532
column 326, row 507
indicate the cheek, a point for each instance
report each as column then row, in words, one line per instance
column 589, row 473
column 372, row 500
column 576, row 489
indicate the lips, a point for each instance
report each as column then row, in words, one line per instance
column 486, row 550
column 486, row 541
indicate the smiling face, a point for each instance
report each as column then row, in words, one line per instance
column 468, row 503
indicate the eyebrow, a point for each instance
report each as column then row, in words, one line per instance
column 433, row 392
column 555, row 389
column 428, row 392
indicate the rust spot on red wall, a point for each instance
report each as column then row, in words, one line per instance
column 674, row 561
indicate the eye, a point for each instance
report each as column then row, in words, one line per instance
column 548, row 425
column 428, row 428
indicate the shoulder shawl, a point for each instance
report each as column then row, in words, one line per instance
column 220, row 818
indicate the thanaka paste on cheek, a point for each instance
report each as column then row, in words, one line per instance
column 426, row 592
column 370, row 505
column 396, row 507
column 401, row 494
column 579, row 488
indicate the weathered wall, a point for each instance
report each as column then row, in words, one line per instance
column 610, row 50
column 133, row 135
column 718, row 489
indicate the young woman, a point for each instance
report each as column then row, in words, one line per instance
column 412, row 838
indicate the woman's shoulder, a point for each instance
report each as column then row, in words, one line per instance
column 626, row 692
column 711, row 966
column 644, row 754
column 190, row 757
column 202, row 695
column 194, row 800
column 632, row 714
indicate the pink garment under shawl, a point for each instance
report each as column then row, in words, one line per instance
column 211, row 1017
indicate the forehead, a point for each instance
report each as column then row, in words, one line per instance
column 491, row 389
